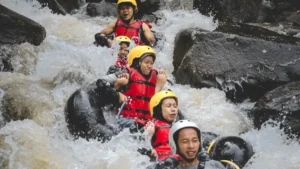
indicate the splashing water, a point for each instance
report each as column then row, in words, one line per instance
column 67, row 59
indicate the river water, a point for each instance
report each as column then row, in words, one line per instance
column 48, row 74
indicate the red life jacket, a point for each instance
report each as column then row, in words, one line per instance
column 132, row 30
column 121, row 62
column 140, row 92
column 161, row 142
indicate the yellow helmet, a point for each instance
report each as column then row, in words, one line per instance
column 140, row 52
column 158, row 97
column 133, row 2
column 123, row 39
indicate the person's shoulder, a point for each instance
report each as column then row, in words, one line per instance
column 114, row 22
column 145, row 24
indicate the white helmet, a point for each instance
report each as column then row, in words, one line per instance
column 181, row 124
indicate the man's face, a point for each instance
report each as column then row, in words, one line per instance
column 188, row 144
column 123, row 51
column 125, row 11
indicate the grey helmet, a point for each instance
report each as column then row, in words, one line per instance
column 181, row 124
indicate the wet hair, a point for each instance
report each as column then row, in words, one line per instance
column 157, row 110
column 135, row 63
column 176, row 137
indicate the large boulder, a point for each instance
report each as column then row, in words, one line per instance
column 248, row 11
column 252, row 31
column 282, row 105
column 17, row 29
column 230, row 10
column 244, row 67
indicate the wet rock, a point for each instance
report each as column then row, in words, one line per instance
column 281, row 104
column 246, row 30
column 292, row 32
column 230, row 10
column 102, row 9
column 17, row 29
column 108, row 8
column 61, row 6
column 248, row 11
column 178, row 4
column 294, row 18
column 244, row 67
column 25, row 99
column 148, row 7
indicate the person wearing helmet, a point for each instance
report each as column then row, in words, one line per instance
column 127, row 25
column 185, row 140
column 121, row 63
column 164, row 110
column 142, row 83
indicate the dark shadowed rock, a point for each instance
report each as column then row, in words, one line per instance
column 108, row 8
column 294, row 18
column 248, row 11
column 17, row 29
column 148, row 7
column 61, row 6
column 102, row 9
column 244, row 67
column 255, row 32
column 230, row 10
column 281, row 104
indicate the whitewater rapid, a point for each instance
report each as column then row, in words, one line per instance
column 67, row 60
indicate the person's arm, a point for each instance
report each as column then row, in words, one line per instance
column 161, row 80
column 150, row 129
column 111, row 78
column 148, row 34
column 123, row 79
column 108, row 29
